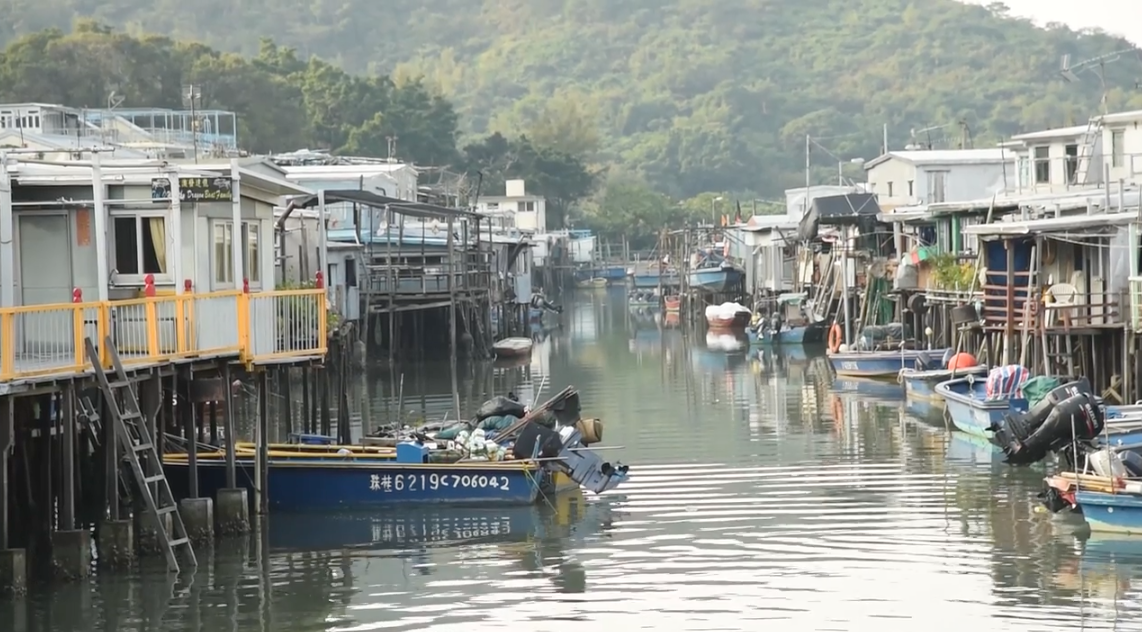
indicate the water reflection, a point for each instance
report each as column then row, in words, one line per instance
column 762, row 491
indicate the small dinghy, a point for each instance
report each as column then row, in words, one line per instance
column 512, row 347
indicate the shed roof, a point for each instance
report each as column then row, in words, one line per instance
column 368, row 198
column 1086, row 223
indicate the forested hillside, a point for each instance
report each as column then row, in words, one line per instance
column 691, row 95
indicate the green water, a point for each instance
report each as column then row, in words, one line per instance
column 760, row 500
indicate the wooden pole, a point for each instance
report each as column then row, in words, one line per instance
column 452, row 324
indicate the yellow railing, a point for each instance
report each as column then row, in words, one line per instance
column 48, row 340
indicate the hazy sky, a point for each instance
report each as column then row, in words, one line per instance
column 1121, row 17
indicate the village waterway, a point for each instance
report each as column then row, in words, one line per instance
column 762, row 498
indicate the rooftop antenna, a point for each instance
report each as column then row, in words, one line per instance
column 1097, row 65
column 114, row 100
column 191, row 96
column 392, row 140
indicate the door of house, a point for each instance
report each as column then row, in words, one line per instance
column 44, row 278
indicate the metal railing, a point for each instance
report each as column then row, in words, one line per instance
column 1059, row 174
column 1136, row 303
column 40, row 341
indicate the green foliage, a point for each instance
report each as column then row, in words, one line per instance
column 285, row 103
column 687, row 95
column 626, row 207
column 950, row 273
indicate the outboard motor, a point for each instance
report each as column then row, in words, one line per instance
column 1027, row 439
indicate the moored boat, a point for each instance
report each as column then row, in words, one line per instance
column 881, row 364
column 716, row 279
column 672, row 302
column 921, row 385
column 512, row 347
column 727, row 316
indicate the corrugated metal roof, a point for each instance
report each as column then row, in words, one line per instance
column 1068, row 223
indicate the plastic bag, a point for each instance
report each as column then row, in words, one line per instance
column 499, row 407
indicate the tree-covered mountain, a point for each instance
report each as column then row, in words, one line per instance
column 690, row 95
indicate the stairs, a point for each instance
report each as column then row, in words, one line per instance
column 138, row 449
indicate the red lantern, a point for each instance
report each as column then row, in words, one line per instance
column 245, row 286
column 149, row 286
column 320, row 281
column 77, row 295
column 187, row 286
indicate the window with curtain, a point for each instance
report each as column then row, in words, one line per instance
column 223, row 252
column 140, row 244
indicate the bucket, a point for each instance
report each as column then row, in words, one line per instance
column 591, row 430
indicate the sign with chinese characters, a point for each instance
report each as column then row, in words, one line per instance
column 435, row 481
column 197, row 189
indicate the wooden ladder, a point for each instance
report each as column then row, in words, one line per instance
column 136, row 442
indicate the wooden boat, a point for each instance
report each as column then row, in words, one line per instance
column 512, row 347
column 673, row 303
column 787, row 336
column 727, row 316
column 715, row 279
column 880, row 364
column 654, row 278
column 921, row 385
column 971, row 411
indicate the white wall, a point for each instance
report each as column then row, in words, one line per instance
column 895, row 173
column 964, row 183
column 1131, row 167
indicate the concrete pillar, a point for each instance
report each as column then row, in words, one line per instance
column 13, row 572
column 233, row 515
column 71, row 554
column 198, row 516
column 147, row 539
column 116, row 543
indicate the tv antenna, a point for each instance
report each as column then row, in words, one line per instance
column 191, row 97
column 1097, row 65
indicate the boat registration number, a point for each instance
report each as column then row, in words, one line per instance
column 849, row 366
column 430, row 482
column 439, row 530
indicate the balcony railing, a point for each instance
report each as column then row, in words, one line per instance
column 1064, row 173
column 42, row 341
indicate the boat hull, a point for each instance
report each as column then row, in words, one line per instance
column 715, row 280
column 672, row 303
column 300, row 485
column 921, row 385
column 970, row 411
column 808, row 334
column 654, row 280
column 738, row 321
column 1111, row 513
column 879, row 364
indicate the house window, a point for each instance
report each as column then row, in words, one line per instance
column 910, row 189
column 937, row 187
column 529, row 206
column 889, row 189
column 224, row 253
column 1117, row 148
column 251, row 257
column 140, row 244
column 223, row 260
column 1072, row 163
column 1042, row 165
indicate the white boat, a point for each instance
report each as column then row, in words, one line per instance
column 512, row 347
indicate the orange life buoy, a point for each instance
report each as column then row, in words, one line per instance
column 835, row 338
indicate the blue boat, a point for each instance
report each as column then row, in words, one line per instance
column 881, row 364
column 921, row 385
column 972, row 412
column 1111, row 513
column 321, row 484
column 715, row 279
column 669, row 278
column 969, row 408
column 787, row 336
